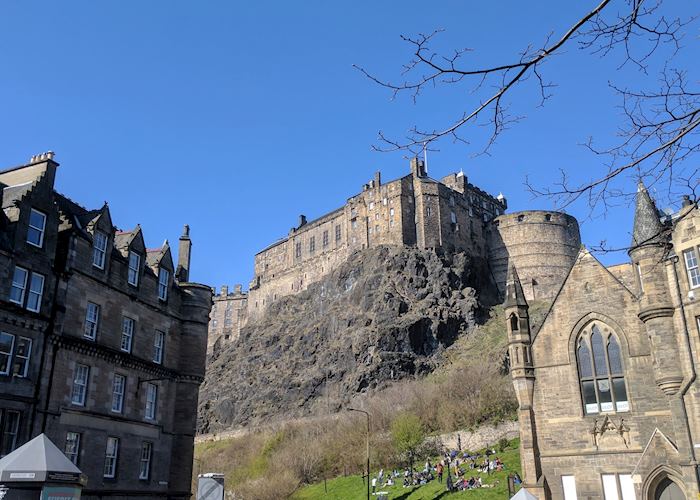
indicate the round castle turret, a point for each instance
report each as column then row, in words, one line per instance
column 542, row 245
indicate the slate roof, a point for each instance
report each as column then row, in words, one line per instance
column 648, row 229
column 514, row 289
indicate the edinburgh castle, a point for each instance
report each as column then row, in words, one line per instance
column 450, row 215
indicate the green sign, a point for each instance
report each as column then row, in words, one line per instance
column 60, row 493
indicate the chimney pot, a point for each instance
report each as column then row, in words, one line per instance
column 302, row 220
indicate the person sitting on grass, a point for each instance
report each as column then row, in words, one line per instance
column 389, row 482
column 406, row 482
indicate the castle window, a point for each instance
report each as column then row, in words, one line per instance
column 298, row 250
column 376, row 229
column 471, row 211
column 371, row 205
column 600, row 372
column 453, row 217
column 376, row 216
column 35, row 231
column 384, row 201
column 353, row 212
column 337, row 232
column 428, row 211
column 312, row 244
column 353, row 224
column 325, row 239
column 521, row 218
column 99, row 249
column 548, row 217
column 691, row 265
column 514, row 323
column 452, row 201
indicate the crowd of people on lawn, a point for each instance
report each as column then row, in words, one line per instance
column 458, row 470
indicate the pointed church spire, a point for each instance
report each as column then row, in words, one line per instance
column 647, row 225
column 514, row 290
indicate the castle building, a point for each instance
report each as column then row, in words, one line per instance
column 102, row 340
column 449, row 215
column 229, row 314
column 609, row 402
column 413, row 210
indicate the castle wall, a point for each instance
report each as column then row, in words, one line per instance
column 543, row 246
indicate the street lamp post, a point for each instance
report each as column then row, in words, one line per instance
column 367, row 415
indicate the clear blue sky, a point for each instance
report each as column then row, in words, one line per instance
column 235, row 117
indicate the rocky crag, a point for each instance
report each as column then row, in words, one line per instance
column 386, row 313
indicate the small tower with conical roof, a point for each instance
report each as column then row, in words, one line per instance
column 523, row 376
column 648, row 252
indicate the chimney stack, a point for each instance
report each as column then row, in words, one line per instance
column 237, row 289
column 184, row 254
column 418, row 167
column 224, row 290
column 302, row 220
column 686, row 201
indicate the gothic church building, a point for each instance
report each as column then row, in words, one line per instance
column 609, row 400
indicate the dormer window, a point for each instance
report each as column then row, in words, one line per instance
column 37, row 225
column 99, row 249
column 163, row 278
column 134, row 266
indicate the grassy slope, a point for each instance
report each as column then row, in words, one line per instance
column 353, row 488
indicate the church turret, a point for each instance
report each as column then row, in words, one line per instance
column 648, row 252
column 522, row 373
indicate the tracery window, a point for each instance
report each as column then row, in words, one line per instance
column 600, row 371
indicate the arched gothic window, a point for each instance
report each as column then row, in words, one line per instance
column 514, row 323
column 600, row 371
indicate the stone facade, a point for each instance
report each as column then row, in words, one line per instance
column 118, row 340
column 228, row 315
column 607, row 391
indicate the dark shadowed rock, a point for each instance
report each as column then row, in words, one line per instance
column 387, row 313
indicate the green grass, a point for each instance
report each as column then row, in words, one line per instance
column 353, row 488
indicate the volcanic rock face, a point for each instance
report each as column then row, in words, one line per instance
column 386, row 313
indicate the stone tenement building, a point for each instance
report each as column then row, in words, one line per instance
column 102, row 341
column 609, row 400
column 449, row 215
